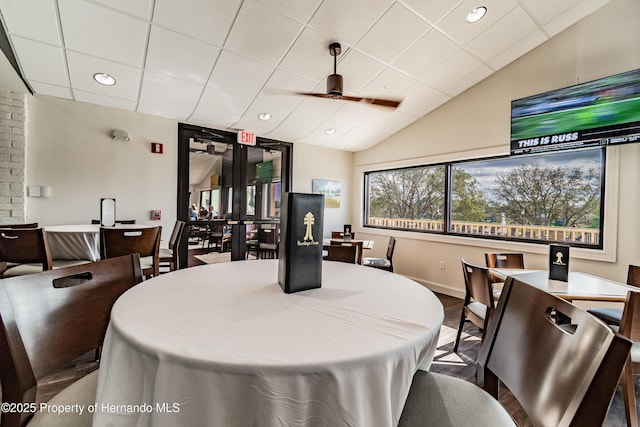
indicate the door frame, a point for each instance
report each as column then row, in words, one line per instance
column 238, row 218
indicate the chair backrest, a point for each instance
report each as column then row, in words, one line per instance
column 391, row 247
column 23, row 246
column 28, row 225
column 48, row 319
column 267, row 235
column 630, row 322
column 560, row 376
column 358, row 244
column 504, row 260
column 178, row 228
column 633, row 275
column 115, row 242
column 340, row 234
column 341, row 253
column 118, row 221
column 478, row 285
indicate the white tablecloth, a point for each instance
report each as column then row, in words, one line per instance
column 223, row 345
column 74, row 241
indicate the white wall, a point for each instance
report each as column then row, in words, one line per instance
column 314, row 162
column 477, row 123
column 69, row 148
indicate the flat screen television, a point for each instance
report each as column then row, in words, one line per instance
column 600, row 112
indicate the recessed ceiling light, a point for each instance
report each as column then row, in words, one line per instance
column 476, row 14
column 330, row 131
column 104, row 79
column 264, row 116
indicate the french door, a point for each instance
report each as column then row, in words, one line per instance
column 235, row 188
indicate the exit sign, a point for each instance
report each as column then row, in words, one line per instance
column 247, row 138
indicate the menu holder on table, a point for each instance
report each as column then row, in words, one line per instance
column 346, row 235
column 107, row 212
column 300, row 251
column 559, row 262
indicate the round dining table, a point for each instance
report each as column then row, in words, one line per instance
column 223, row 345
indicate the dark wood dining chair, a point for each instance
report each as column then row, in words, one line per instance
column 268, row 239
column 117, row 221
column 169, row 256
column 559, row 378
column 382, row 263
column 27, row 225
column 613, row 315
column 341, row 253
column 358, row 244
column 630, row 328
column 478, row 301
column 340, row 235
column 26, row 251
column 504, row 260
column 49, row 319
column 115, row 242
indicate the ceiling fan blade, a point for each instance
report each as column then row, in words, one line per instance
column 391, row 103
column 317, row 95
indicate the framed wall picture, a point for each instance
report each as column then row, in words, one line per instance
column 330, row 189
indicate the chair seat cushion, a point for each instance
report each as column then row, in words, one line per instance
column 635, row 352
column 478, row 309
column 82, row 393
column 376, row 262
column 440, row 400
column 611, row 316
column 146, row 262
column 166, row 253
column 22, row 269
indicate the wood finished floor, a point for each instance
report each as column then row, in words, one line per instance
column 460, row 365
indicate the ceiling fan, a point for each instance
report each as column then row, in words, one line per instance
column 334, row 85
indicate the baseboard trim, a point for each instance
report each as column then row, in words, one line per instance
column 439, row 288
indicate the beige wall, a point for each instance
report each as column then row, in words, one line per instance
column 477, row 123
column 69, row 148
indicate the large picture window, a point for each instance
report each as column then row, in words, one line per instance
column 554, row 197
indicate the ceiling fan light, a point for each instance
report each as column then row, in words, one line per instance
column 104, row 79
column 476, row 14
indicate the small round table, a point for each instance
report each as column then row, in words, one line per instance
column 223, row 345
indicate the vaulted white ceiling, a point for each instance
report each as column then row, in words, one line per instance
column 220, row 63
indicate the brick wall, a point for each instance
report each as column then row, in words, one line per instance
column 12, row 157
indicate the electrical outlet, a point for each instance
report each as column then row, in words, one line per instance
column 441, row 265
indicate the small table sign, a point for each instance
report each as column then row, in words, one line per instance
column 559, row 262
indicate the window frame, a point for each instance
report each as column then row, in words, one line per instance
column 608, row 236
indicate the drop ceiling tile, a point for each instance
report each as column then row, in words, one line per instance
column 50, row 90
column 463, row 83
column 262, row 34
column 455, row 24
column 295, row 126
column 385, row 120
column 41, row 62
column 513, row 27
column 358, row 70
column 102, row 32
column 358, row 138
column 420, row 99
column 516, row 51
column 221, row 107
column 455, row 67
column 347, row 21
column 35, row 19
column 251, row 121
column 572, row 15
column 426, row 54
column 83, row 67
column 545, row 10
column 162, row 90
column 432, row 10
column 108, row 101
column 385, row 47
column 390, row 83
column 301, row 11
column 180, row 56
column 206, row 20
column 163, row 111
column 319, row 137
column 309, row 56
column 236, row 74
column 140, row 8
column 282, row 89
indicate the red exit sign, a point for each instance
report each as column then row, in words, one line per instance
column 246, row 137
